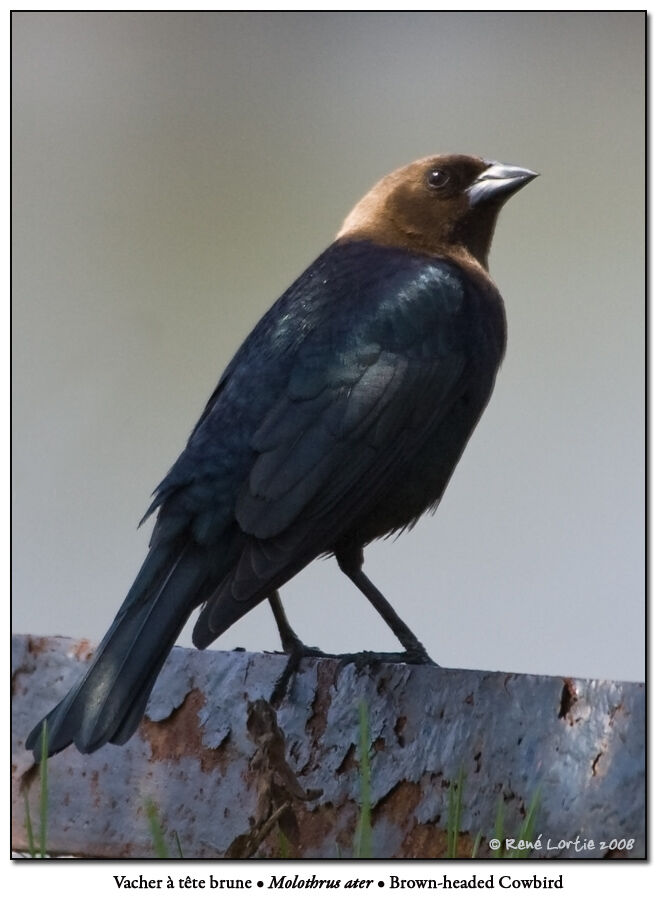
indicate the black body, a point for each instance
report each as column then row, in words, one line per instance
column 340, row 419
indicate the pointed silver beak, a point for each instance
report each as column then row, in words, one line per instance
column 498, row 181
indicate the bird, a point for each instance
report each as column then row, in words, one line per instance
column 339, row 420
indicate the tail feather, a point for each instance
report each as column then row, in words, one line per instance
column 108, row 703
column 130, row 721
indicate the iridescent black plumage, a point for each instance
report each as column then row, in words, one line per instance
column 340, row 419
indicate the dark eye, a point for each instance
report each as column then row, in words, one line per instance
column 437, row 178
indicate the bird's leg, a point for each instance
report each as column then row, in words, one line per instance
column 289, row 640
column 292, row 645
column 350, row 562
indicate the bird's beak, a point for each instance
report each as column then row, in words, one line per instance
column 498, row 182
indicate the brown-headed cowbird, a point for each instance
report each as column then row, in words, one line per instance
column 339, row 420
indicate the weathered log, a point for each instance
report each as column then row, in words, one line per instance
column 233, row 776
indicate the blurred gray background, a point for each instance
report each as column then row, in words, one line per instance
column 172, row 174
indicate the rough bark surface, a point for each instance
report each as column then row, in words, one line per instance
column 236, row 777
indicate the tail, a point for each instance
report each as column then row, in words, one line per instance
column 108, row 703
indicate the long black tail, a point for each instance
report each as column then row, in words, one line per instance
column 108, row 703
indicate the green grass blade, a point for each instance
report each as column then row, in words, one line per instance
column 499, row 828
column 455, row 809
column 476, row 844
column 528, row 826
column 363, row 841
column 43, row 804
column 155, row 827
column 31, row 848
column 284, row 844
column 450, row 824
column 178, row 845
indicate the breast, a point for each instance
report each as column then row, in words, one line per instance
column 417, row 484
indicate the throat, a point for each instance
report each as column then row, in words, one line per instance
column 475, row 236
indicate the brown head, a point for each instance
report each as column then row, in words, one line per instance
column 440, row 205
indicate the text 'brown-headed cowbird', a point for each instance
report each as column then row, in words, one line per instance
column 339, row 420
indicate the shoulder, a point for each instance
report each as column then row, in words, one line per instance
column 395, row 296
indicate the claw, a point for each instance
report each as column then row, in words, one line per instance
column 363, row 659
column 297, row 652
column 360, row 660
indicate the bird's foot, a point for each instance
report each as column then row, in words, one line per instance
column 293, row 646
column 363, row 659
column 297, row 651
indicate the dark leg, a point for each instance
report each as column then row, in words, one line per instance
column 289, row 640
column 351, row 563
column 292, row 646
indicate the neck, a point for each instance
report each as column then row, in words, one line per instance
column 469, row 243
column 471, row 248
column 476, row 233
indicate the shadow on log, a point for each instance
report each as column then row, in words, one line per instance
column 233, row 777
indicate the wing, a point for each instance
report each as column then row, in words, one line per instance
column 360, row 397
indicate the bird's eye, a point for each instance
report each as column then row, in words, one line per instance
column 437, row 178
